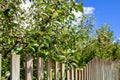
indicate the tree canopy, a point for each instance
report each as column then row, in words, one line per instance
column 47, row 29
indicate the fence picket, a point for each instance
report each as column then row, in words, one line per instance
column 68, row 74
column 84, row 73
column 29, row 68
column 90, row 70
column 87, row 72
column 82, row 76
column 15, row 67
column 115, row 72
column 56, row 70
column 62, row 71
column 72, row 74
column 40, row 68
column 49, row 69
column 76, row 74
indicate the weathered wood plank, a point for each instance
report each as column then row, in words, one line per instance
column 87, row 72
column 68, row 74
column 72, row 74
column 29, row 68
column 40, row 72
column 76, row 74
column 82, row 76
column 62, row 71
column 98, row 69
column 49, row 69
column 15, row 67
column 92, row 69
column 79, row 74
column 56, row 70
column 115, row 70
column 84, row 73
column 95, row 69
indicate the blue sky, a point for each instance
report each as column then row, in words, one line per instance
column 106, row 11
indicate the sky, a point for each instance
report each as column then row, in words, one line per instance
column 106, row 12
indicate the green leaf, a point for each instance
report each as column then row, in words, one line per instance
column 47, row 37
column 6, row 12
column 15, row 51
column 61, row 57
column 80, row 8
column 59, row 11
column 31, row 48
column 55, row 15
column 1, row 39
column 36, row 44
column 38, row 1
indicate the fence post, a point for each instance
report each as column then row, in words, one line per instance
column 40, row 68
column 0, row 65
column 29, row 68
column 15, row 67
column 56, row 70
column 49, row 69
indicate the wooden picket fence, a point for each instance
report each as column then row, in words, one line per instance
column 96, row 69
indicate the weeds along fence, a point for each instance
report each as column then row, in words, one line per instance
column 96, row 69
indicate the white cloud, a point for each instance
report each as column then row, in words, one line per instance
column 116, row 40
column 119, row 38
column 78, row 15
column 89, row 10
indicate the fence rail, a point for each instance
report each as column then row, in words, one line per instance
column 96, row 69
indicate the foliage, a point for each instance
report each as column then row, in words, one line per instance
column 46, row 29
